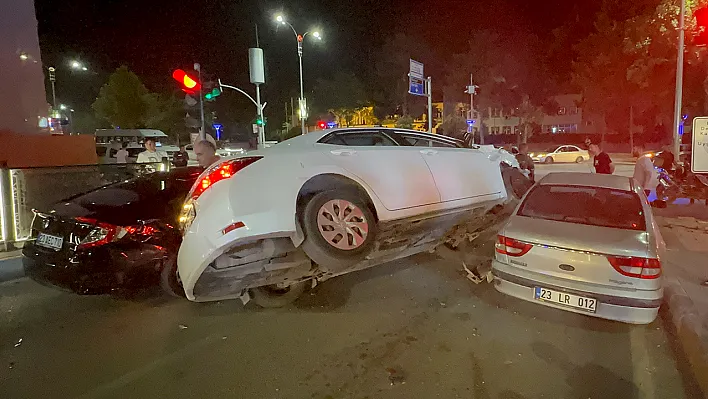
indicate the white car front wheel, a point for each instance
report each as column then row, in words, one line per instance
column 339, row 228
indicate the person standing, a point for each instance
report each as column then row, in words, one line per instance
column 601, row 161
column 181, row 157
column 151, row 154
column 526, row 162
column 206, row 153
column 122, row 154
column 644, row 173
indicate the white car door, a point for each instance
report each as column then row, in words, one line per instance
column 398, row 175
column 461, row 173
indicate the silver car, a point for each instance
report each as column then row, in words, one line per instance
column 583, row 242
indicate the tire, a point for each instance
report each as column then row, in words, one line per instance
column 169, row 278
column 326, row 243
column 515, row 182
column 270, row 296
column 548, row 160
column 579, row 159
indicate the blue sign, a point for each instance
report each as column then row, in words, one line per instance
column 416, row 86
column 470, row 122
column 218, row 127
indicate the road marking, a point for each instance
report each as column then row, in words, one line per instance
column 641, row 361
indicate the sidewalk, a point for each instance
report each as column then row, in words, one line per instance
column 10, row 265
column 685, row 230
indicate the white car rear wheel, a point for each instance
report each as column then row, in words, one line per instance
column 579, row 159
column 340, row 229
column 548, row 160
column 277, row 296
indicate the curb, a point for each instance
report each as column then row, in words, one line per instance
column 692, row 335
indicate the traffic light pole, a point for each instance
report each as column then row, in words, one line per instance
column 678, row 117
column 256, row 102
column 303, row 108
column 202, row 133
column 429, row 84
column 261, row 128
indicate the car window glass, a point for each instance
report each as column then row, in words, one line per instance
column 366, row 139
column 441, row 144
column 585, row 205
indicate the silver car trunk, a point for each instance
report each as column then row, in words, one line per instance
column 578, row 252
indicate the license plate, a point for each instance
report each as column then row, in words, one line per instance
column 49, row 241
column 562, row 298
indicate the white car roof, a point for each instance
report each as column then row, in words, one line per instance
column 313, row 137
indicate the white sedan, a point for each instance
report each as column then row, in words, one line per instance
column 265, row 224
column 564, row 153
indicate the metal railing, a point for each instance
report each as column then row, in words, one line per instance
column 25, row 189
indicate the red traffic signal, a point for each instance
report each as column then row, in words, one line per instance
column 189, row 84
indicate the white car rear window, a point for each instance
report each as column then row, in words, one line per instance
column 585, row 205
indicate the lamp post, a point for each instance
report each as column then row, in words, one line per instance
column 300, row 40
column 75, row 65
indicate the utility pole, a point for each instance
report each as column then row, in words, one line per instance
column 678, row 117
column 429, row 87
column 257, row 76
column 631, row 128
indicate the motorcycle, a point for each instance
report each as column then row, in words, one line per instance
column 680, row 184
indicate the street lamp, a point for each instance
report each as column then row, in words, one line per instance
column 78, row 66
column 52, row 78
column 300, row 40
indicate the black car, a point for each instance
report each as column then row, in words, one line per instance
column 117, row 236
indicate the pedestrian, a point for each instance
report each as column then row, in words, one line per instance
column 181, row 157
column 601, row 161
column 644, row 173
column 206, row 153
column 526, row 162
column 588, row 142
column 151, row 154
column 122, row 154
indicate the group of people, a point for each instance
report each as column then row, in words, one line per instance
column 644, row 172
column 204, row 150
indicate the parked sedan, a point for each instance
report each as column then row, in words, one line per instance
column 116, row 236
column 564, row 153
column 271, row 222
column 586, row 243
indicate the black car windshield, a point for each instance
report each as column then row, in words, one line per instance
column 585, row 205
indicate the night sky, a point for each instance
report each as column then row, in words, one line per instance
column 152, row 37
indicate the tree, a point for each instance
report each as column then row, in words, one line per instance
column 341, row 96
column 165, row 113
column 529, row 115
column 454, row 126
column 405, row 122
column 124, row 101
column 391, row 74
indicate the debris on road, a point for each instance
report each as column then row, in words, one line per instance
column 395, row 376
column 182, row 327
column 18, row 343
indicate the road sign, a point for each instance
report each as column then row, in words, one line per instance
column 416, row 69
column 470, row 122
column 416, row 86
column 699, row 149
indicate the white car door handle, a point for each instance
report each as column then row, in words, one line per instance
column 428, row 152
column 343, row 152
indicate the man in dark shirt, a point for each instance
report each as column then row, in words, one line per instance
column 602, row 162
column 181, row 157
column 525, row 161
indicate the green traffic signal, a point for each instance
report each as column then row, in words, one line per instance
column 213, row 94
column 259, row 122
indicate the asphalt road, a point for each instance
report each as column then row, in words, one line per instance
column 415, row 328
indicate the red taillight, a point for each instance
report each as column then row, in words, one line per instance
column 511, row 247
column 142, row 230
column 101, row 234
column 632, row 266
column 220, row 172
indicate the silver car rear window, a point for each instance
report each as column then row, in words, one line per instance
column 585, row 205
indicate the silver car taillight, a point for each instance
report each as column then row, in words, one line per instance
column 645, row 268
column 511, row 247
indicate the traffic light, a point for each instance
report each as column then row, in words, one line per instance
column 322, row 125
column 701, row 37
column 216, row 92
column 189, row 83
column 260, row 121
